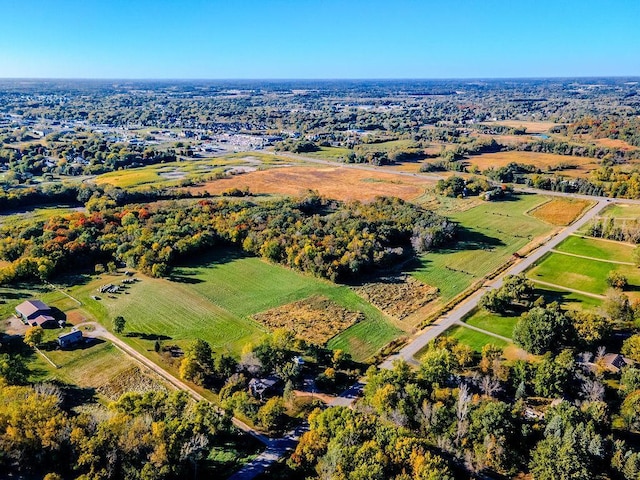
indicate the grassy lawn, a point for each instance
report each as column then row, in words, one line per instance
column 39, row 214
column 596, row 248
column 492, row 322
column 493, row 231
column 580, row 273
column 569, row 300
column 215, row 299
column 88, row 367
column 620, row 210
column 475, row 340
column 329, row 153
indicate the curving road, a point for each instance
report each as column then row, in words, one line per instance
column 98, row 331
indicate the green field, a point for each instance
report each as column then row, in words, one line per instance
column 596, row 248
column 167, row 174
column 580, row 273
column 569, row 300
column 475, row 340
column 620, row 210
column 214, row 301
column 330, row 153
column 492, row 322
column 390, row 146
column 90, row 367
column 493, row 231
column 37, row 214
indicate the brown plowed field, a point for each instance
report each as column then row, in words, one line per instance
column 341, row 183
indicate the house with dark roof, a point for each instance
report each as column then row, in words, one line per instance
column 614, row 362
column 35, row 312
column 259, row 387
column 44, row 321
column 70, row 339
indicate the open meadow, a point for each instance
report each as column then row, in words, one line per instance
column 215, row 301
column 621, row 211
column 561, row 211
column 492, row 233
column 341, row 183
column 170, row 173
column 597, row 248
column 581, row 166
column 583, row 274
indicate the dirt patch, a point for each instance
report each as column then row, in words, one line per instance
column 74, row 317
column 341, row 183
column 131, row 380
column 14, row 326
column 560, row 211
column 316, row 319
column 398, row 297
column 614, row 143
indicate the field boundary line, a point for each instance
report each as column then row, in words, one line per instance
column 617, row 262
column 46, row 358
column 481, row 330
column 51, row 285
column 568, row 289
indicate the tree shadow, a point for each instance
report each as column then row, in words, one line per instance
column 147, row 336
column 552, row 296
column 632, row 288
column 75, row 396
column 469, row 239
column 187, row 278
column 216, row 255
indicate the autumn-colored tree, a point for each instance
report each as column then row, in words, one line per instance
column 33, row 336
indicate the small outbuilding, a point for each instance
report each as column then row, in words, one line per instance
column 70, row 339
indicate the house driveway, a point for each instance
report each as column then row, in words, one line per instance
column 14, row 326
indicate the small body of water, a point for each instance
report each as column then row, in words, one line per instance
column 543, row 136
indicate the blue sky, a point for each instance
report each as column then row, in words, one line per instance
column 319, row 39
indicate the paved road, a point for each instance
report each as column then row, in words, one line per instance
column 463, row 309
column 276, row 449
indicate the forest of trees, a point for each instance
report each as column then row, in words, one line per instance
column 141, row 436
column 326, row 238
column 460, row 414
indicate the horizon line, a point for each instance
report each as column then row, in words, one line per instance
column 317, row 79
